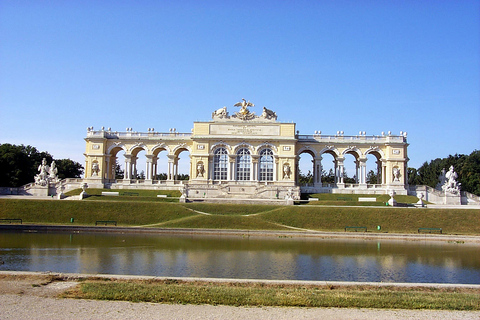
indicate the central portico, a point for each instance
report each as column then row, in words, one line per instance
column 248, row 155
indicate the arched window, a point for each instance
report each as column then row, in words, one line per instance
column 265, row 164
column 243, row 164
column 220, row 164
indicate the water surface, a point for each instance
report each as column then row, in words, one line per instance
column 241, row 257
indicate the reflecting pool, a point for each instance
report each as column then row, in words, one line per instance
column 241, row 257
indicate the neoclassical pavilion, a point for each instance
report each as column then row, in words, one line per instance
column 243, row 155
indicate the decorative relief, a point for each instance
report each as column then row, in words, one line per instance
column 396, row 151
column 96, row 146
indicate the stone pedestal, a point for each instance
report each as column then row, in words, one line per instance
column 452, row 199
column 39, row 191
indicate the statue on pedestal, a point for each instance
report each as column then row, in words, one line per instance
column 451, row 185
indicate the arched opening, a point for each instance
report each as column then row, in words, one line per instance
column 138, row 163
column 351, row 167
column 115, row 164
column 305, row 170
column 182, row 164
column 374, row 168
column 159, row 164
column 328, row 169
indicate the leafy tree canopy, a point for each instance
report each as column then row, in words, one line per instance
column 19, row 165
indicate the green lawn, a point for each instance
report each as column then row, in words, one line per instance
column 136, row 212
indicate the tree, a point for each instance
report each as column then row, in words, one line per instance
column 372, row 177
column 328, row 178
column 305, row 178
column 68, row 169
column 119, row 173
column 19, row 165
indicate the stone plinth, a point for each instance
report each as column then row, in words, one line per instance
column 452, row 199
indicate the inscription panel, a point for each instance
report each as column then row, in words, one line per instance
column 243, row 130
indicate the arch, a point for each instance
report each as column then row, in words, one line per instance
column 159, row 148
column 114, row 146
column 266, row 145
column 220, row 144
column 330, row 150
column 180, row 148
column 239, row 146
column 307, row 149
column 376, row 151
column 357, row 153
column 137, row 147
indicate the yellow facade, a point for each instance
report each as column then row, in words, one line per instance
column 244, row 154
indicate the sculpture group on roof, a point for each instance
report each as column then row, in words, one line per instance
column 244, row 113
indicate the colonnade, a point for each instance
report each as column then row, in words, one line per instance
column 151, row 167
column 339, row 170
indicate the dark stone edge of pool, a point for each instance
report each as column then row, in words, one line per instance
column 243, row 233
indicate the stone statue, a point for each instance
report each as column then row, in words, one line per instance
column 441, row 180
column 200, row 170
column 53, row 172
column 269, row 114
column 286, row 171
column 95, row 169
column 451, row 185
column 396, row 175
column 42, row 178
column 220, row 113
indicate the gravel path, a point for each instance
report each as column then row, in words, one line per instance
column 34, row 297
column 14, row 306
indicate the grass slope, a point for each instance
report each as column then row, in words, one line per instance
column 237, row 216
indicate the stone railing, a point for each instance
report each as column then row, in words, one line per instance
column 342, row 138
column 135, row 135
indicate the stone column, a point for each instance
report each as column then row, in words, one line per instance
column 317, row 171
column 127, row 173
column 363, row 171
column 154, row 167
column 134, row 167
column 232, row 159
column 340, row 170
column 254, row 171
column 383, row 170
column 149, row 167
column 171, row 167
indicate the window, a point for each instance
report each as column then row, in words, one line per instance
column 265, row 165
column 220, row 164
column 243, row 164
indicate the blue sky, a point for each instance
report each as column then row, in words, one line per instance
column 354, row 66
